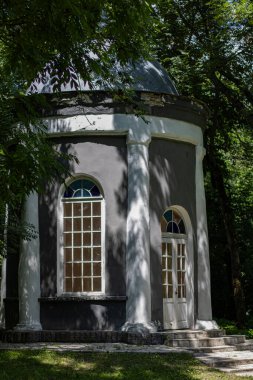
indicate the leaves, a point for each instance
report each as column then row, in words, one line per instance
column 66, row 40
column 75, row 32
column 207, row 48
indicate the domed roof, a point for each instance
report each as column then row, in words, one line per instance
column 144, row 76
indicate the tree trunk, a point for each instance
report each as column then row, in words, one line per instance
column 228, row 219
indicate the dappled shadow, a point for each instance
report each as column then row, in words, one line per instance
column 48, row 207
column 52, row 365
column 162, row 175
column 172, row 182
column 115, row 262
column 137, row 259
column 104, row 159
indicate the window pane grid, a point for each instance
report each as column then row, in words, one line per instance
column 181, row 271
column 82, row 237
column 91, row 248
column 82, row 246
column 72, row 248
column 167, row 270
column 172, row 222
column 174, row 258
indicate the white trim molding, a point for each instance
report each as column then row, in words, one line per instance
column 60, row 250
column 137, row 128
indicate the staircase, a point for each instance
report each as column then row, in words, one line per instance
column 232, row 354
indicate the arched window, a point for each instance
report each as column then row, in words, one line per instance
column 172, row 222
column 83, row 226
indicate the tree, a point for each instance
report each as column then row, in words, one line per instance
column 84, row 37
column 63, row 38
column 206, row 46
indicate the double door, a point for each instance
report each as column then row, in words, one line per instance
column 174, row 279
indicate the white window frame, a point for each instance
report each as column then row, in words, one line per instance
column 188, row 239
column 60, row 236
column 175, row 239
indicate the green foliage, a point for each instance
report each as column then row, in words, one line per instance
column 86, row 35
column 231, row 328
column 206, row 47
column 60, row 38
column 27, row 160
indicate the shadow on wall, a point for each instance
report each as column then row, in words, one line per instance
column 116, row 232
column 88, row 314
column 115, row 262
column 82, row 315
column 160, row 198
column 172, row 182
column 48, row 202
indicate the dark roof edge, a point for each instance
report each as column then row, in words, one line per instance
column 141, row 103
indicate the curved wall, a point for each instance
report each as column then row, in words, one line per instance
column 172, row 182
column 104, row 158
column 103, row 134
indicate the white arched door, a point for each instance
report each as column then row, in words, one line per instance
column 175, row 273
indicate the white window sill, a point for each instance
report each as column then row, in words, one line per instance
column 82, row 298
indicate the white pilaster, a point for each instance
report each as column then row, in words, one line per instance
column 29, row 271
column 138, row 289
column 204, row 320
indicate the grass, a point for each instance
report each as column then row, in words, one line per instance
column 51, row 365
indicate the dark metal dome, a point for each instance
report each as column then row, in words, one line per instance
column 145, row 76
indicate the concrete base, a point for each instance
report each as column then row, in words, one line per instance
column 140, row 328
column 206, row 325
column 28, row 327
column 80, row 336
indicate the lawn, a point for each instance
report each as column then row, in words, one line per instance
column 51, row 365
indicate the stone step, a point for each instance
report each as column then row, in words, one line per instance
column 206, row 342
column 236, row 362
column 240, row 370
column 207, row 350
column 227, row 359
column 227, row 348
column 245, row 374
column 193, row 334
column 248, row 345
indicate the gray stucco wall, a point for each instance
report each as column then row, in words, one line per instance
column 104, row 158
column 172, row 182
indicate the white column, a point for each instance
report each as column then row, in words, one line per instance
column 29, row 271
column 138, row 289
column 204, row 320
